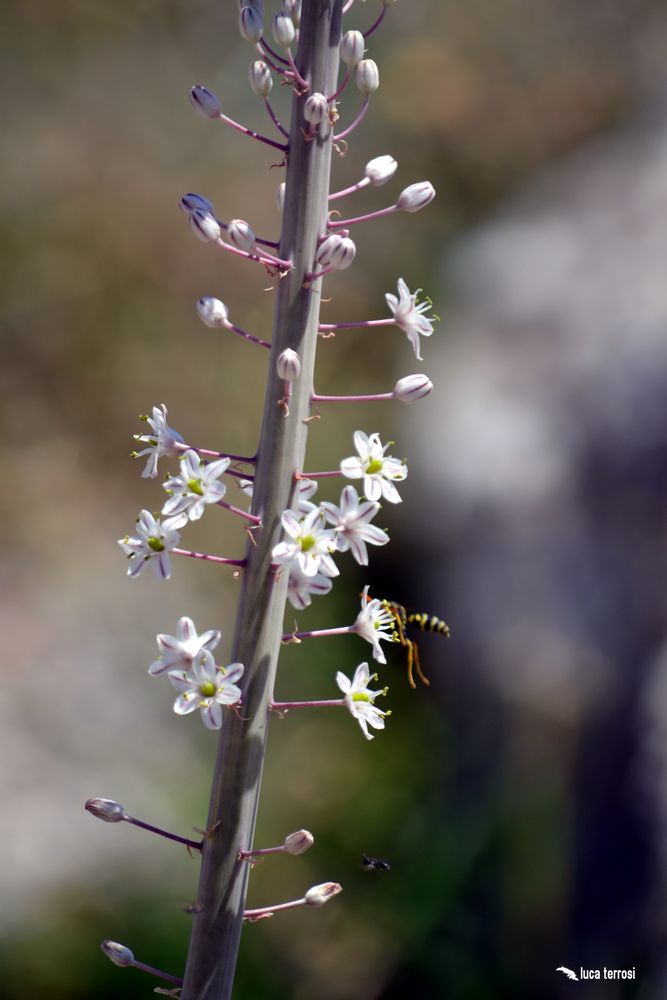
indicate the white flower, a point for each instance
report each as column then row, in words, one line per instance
column 309, row 543
column 305, row 489
column 378, row 471
column 207, row 687
column 408, row 313
column 180, row 651
column 196, row 486
column 359, row 699
column 373, row 623
column 151, row 544
column 160, row 442
column 301, row 588
column 352, row 524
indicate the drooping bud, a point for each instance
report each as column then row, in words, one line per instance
column 280, row 197
column 283, row 30
column 118, row 953
column 251, row 24
column 241, row 234
column 416, row 196
column 336, row 251
column 260, row 78
column 106, row 809
column 318, row 895
column 192, row 202
column 299, row 842
column 212, row 311
column 367, row 76
column 315, row 109
column 381, row 169
column 205, row 226
column 293, row 9
column 352, row 48
column 288, row 365
column 412, row 387
column 204, row 102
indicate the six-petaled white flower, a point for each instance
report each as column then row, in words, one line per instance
column 160, row 442
column 151, row 544
column 302, row 588
column 408, row 313
column 180, row 651
column 373, row 623
column 196, row 486
column 309, row 543
column 359, row 699
column 351, row 522
column 206, row 687
column 379, row 471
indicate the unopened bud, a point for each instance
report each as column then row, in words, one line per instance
column 336, row 252
column 412, row 387
column 318, row 895
column 280, row 197
column 367, row 76
column 196, row 202
column 381, row 169
column 293, row 9
column 204, row 102
column 240, row 234
column 260, row 78
column 315, row 109
column 118, row 953
column 283, row 30
column 416, row 196
column 299, row 842
column 205, row 226
column 212, row 311
column 251, row 24
column 288, row 367
column 106, row 809
column 352, row 48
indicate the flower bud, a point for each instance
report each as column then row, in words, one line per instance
column 381, row 169
column 336, row 252
column 260, row 78
column 283, row 30
column 315, row 109
column 106, row 809
column 205, row 225
column 118, row 953
column 251, row 24
column 288, row 367
column 293, row 9
column 212, row 311
column 367, row 76
column 299, row 842
column 196, row 202
column 240, row 234
column 416, row 196
column 412, row 387
column 318, row 895
column 280, row 197
column 352, row 48
column 204, row 102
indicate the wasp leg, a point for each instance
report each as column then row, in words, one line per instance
column 420, row 673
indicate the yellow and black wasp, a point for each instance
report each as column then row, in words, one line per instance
column 427, row 623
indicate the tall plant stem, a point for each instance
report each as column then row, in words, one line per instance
column 221, row 895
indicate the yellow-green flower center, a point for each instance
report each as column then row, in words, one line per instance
column 361, row 696
column 207, row 689
column 194, row 486
column 155, row 544
column 374, row 466
column 307, row 542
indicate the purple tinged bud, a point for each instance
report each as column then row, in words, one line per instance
column 106, row 809
column 283, row 30
column 316, row 109
column 260, row 78
column 381, row 169
column 318, row 895
column 336, row 251
column 299, row 842
column 205, row 226
column 212, row 312
column 293, row 9
column 416, row 196
column 241, row 235
column 251, row 24
column 280, row 197
column 352, row 48
column 367, row 76
column 288, row 367
column 196, row 202
column 204, row 102
column 118, row 953
column 412, row 387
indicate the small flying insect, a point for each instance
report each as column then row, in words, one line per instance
column 427, row 623
column 374, row 864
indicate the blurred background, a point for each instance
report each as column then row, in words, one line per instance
column 521, row 800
